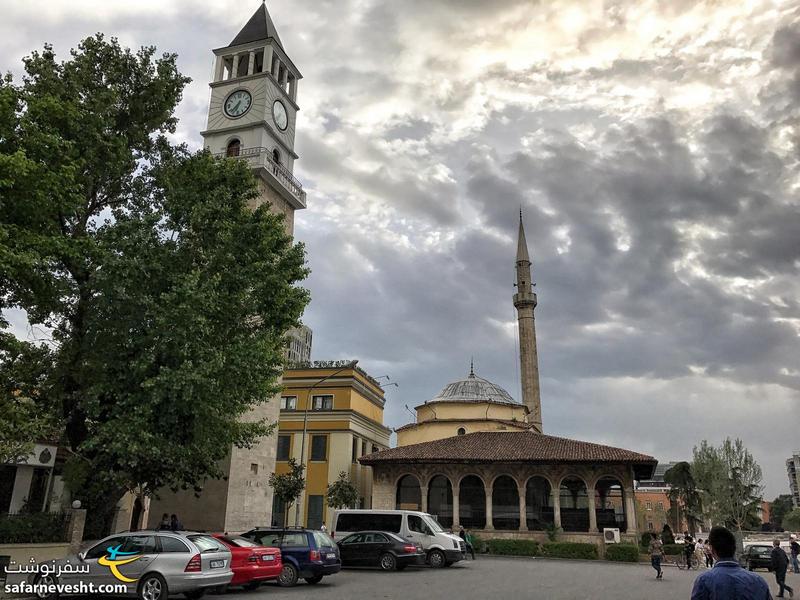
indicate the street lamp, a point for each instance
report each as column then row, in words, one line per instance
column 351, row 365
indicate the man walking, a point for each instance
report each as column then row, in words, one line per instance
column 656, row 554
column 779, row 564
column 795, row 551
column 727, row 580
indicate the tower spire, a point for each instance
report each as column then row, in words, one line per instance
column 525, row 302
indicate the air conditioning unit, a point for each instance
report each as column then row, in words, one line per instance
column 611, row 535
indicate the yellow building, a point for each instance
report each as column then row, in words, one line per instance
column 465, row 406
column 342, row 410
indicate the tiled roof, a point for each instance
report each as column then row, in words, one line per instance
column 259, row 27
column 508, row 422
column 509, row 446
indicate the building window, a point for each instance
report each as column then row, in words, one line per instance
column 355, row 449
column 363, row 448
column 322, row 402
column 234, row 147
column 315, row 512
column 288, row 402
column 649, row 505
column 319, row 447
column 254, row 468
column 278, row 512
column 461, row 431
column 276, row 156
column 660, row 506
column 284, row 447
column 649, row 526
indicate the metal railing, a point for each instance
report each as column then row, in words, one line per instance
column 262, row 157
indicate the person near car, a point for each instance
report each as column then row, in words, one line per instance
column 462, row 533
column 656, row 550
column 780, row 562
column 164, row 525
column 794, row 552
column 727, row 579
column 175, row 523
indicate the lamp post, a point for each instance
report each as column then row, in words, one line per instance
column 351, row 365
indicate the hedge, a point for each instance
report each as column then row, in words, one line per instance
column 673, row 549
column 514, row 547
column 569, row 550
column 622, row 552
column 33, row 528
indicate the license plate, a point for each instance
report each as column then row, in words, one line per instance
column 268, row 557
column 217, row 564
column 331, row 555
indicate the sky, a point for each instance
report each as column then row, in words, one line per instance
column 653, row 147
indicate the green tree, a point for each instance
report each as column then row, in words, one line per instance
column 791, row 521
column 781, row 506
column 684, row 498
column 342, row 493
column 288, row 486
column 729, row 480
column 168, row 298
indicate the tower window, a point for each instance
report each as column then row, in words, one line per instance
column 461, row 431
column 276, row 156
column 234, row 146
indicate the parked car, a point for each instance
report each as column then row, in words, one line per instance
column 306, row 553
column 756, row 556
column 442, row 549
column 170, row 563
column 251, row 564
column 380, row 549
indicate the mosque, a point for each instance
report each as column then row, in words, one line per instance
column 478, row 458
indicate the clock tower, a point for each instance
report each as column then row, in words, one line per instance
column 253, row 111
column 251, row 117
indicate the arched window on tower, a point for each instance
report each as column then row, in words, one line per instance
column 461, row 431
column 276, row 156
column 234, row 146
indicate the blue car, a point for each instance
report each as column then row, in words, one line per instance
column 306, row 553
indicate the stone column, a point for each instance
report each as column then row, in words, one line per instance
column 251, row 64
column 630, row 511
column 592, row 511
column 556, row 495
column 284, row 78
column 293, row 89
column 276, row 68
column 235, row 66
column 456, row 507
column 219, row 69
column 76, row 523
column 523, row 510
column 267, row 66
column 489, row 523
column 423, row 491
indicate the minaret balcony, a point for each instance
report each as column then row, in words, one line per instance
column 273, row 172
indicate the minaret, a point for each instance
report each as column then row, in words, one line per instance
column 525, row 303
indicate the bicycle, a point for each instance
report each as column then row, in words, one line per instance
column 694, row 563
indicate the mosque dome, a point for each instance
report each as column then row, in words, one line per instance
column 474, row 389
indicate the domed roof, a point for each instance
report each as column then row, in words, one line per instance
column 473, row 389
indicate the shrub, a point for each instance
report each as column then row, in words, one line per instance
column 644, row 542
column 569, row 550
column 622, row 552
column 514, row 547
column 673, row 549
column 33, row 528
column 479, row 544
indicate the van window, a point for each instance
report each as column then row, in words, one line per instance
column 369, row 521
column 416, row 524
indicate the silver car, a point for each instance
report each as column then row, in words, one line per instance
column 150, row 564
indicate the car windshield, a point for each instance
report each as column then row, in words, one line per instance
column 240, row 542
column 323, row 540
column 206, row 543
column 433, row 523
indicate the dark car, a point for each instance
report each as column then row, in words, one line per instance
column 306, row 553
column 757, row 556
column 380, row 549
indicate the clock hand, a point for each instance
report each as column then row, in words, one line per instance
column 235, row 108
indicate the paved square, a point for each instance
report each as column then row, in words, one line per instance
column 500, row 579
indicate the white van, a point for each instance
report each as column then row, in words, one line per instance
column 441, row 548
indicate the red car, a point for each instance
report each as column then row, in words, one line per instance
column 251, row 564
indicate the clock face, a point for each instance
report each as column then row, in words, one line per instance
column 279, row 115
column 238, row 103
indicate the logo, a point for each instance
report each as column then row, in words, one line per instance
column 111, row 561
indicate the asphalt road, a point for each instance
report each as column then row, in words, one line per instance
column 499, row 579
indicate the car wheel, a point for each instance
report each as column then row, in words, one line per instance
column 436, row 559
column 288, row 576
column 194, row 594
column 387, row 562
column 46, row 579
column 253, row 585
column 314, row 580
column 152, row 587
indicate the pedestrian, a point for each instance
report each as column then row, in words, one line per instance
column 164, row 524
column 322, row 528
column 656, row 550
column 780, row 562
column 699, row 551
column 688, row 549
column 795, row 551
column 727, row 580
column 709, row 556
column 175, row 523
column 466, row 537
